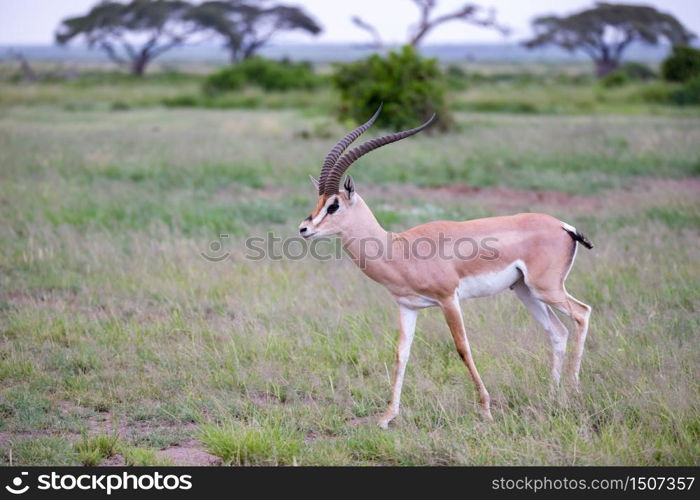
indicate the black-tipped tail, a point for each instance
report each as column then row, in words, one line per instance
column 577, row 236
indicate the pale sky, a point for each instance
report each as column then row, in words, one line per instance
column 34, row 21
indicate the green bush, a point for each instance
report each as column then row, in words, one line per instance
column 615, row 79
column 655, row 93
column 182, row 101
column 682, row 65
column 688, row 94
column 638, row 71
column 456, row 77
column 628, row 72
column 411, row 87
column 264, row 73
column 224, row 80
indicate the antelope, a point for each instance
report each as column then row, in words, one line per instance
column 530, row 253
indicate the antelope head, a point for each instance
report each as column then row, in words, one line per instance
column 337, row 209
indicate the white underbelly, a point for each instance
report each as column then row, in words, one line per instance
column 486, row 284
column 416, row 301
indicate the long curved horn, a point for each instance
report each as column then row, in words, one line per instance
column 333, row 180
column 338, row 149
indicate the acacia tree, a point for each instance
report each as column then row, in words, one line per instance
column 246, row 27
column 131, row 34
column 604, row 32
column 28, row 74
column 428, row 21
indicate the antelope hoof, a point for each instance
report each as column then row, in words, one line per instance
column 385, row 419
column 573, row 380
column 485, row 408
column 554, row 388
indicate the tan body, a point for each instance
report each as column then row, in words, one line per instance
column 491, row 244
column 529, row 253
column 439, row 263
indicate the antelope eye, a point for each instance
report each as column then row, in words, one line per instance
column 333, row 208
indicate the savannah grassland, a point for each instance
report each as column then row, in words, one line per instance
column 119, row 343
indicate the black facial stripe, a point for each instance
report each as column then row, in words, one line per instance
column 335, row 203
column 333, row 207
column 308, row 218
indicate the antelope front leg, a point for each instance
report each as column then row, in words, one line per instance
column 453, row 316
column 407, row 327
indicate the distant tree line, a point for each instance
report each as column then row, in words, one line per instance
column 133, row 34
column 606, row 30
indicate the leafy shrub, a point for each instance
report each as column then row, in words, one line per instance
column 628, row 72
column 638, row 71
column 411, row 87
column 655, row 93
column 264, row 73
column 181, row 101
column 688, row 94
column 615, row 79
column 682, row 65
column 506, row 105
column 456, row 77
column 119, row 106
column 224, row 80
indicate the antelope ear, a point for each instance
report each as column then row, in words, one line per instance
column 349, row 186
column 314, row 181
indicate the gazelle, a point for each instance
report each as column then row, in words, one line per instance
column 529, row 253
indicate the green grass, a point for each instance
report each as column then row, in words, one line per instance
column 43, row 450
column 92, row 450
column 99, row 90
column 134, row 456
column 535, row 97
column 110, row 316
column 320, row 101
column 238, row 444
column 483, row 88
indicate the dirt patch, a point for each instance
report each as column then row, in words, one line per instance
column 638, row 194
column 510, row 199
column 114, row 461
column 189, row 453
column 53, row 299
column 262, row 398
column 500, row 200
column 16, row 437
column 107, row 424
column 506, row 197
column 645, row 193
column 667, row 189
column 689, row 184
column 369, row 420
